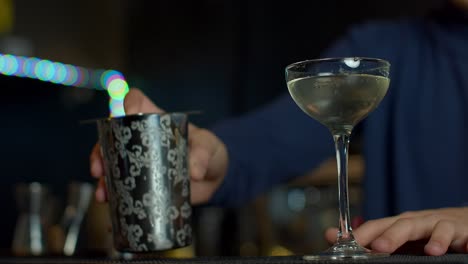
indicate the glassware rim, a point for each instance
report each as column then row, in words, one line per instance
column 140, row 114
column 336, row 59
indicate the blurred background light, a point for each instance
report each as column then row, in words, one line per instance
column 20, row 70
column 8, row 65
column 44, row 70
column 296, row 200
column 117, row 107
column 29, row 66
column 60, row 73
column 117, row 89
column 69, row 75
column 108, row 76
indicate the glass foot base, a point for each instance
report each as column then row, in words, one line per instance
column 346, row 250
column 338, row 256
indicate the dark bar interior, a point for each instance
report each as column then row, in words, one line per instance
column 223, row 58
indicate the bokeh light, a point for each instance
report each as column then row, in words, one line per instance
column 20, row 71
column 44, row 70
column 8, row 65
column 108, row 76
column 29, row 66
column 69, row 75
column 116, row 107
column 117, row 89
column 60, row 73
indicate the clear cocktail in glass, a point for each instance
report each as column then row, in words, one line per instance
column 340, row 92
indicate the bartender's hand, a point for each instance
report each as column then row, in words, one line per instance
column 208, row 158
column 440, row 230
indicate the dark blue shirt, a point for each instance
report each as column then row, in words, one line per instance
column 414, row 142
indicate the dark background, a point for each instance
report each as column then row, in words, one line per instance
column 222, row 57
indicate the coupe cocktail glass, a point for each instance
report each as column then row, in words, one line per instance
column 340, row 92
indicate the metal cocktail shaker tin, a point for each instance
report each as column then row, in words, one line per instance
column 148, row 186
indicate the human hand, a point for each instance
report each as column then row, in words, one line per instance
column 208, row 158
column 443, row 229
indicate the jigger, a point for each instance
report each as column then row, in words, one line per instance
column 30, row 236
column 80, row 195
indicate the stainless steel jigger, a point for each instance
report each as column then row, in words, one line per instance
column 145, row 157
column 79, row 197
column 30, row 236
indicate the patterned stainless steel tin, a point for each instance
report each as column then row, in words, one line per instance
column 146, row 166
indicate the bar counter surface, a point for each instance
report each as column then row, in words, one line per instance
column 446, row 259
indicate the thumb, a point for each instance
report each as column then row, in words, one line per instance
column 137, row 102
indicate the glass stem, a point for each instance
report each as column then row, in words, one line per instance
column 344, row 228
